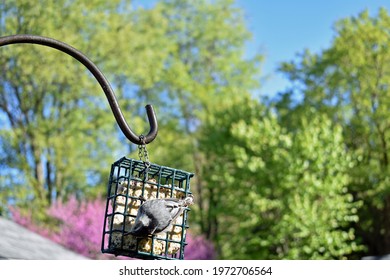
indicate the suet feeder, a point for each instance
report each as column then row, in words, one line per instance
column 131, row 181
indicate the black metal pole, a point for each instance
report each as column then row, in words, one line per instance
column 120, row 119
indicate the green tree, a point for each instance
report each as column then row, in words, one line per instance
column 279, row 194
column 57, row 134
column 349, row 82
column 205, row 67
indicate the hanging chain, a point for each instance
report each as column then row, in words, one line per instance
column 143, row 152
column 144, row 156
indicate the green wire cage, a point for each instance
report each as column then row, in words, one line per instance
column 132, row 181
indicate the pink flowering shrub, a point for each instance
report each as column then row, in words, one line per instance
column 80, row 226
column 198, row 248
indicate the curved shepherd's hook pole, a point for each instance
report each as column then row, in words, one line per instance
column 120, row 119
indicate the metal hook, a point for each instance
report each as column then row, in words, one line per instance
column 120, row 119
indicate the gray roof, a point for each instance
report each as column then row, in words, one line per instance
column 384, row 257
column 17, row 242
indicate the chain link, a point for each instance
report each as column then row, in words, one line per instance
column 143, row 152
column 144, row 156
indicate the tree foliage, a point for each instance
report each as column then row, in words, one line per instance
column 57, row 135
column 349, row 83
column 291, row 186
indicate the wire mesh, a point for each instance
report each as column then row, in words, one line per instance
column 129, row 183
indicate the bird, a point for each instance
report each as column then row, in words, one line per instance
column 157, row 215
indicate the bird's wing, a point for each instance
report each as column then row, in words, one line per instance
column 175, row 207
column 172, row 202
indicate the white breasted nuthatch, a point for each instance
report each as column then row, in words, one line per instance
column 157, row 215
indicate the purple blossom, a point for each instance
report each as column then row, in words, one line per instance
column 198, row 248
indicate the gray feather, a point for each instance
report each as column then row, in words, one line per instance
column 157, row 215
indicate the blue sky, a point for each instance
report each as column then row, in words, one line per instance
column 281, row 29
